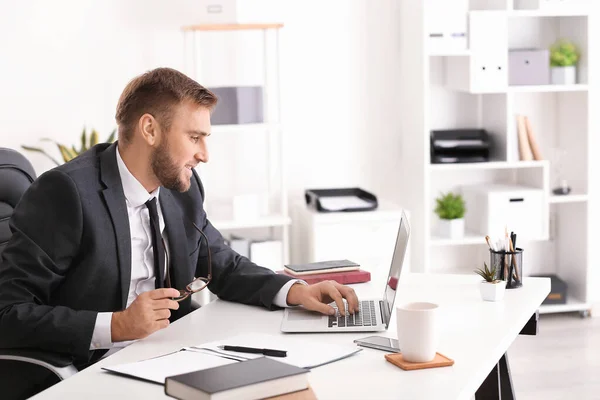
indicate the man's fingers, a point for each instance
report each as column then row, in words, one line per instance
column 335, row 294
column 162, row 314
column 163, row 323
column 316, row 305
column 165, row 303
column 350, row 297
column 166, row 293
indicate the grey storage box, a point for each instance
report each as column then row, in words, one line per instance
column 238, row 105
column 529, row 67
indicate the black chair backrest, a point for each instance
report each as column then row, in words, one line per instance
column 16, row 175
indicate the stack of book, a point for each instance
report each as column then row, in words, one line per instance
column 341, row 271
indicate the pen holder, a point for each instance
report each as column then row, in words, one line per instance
column 509, row 267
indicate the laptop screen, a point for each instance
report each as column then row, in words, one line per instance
column 395, row 269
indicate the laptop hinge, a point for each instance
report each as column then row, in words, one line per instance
column 381, row 304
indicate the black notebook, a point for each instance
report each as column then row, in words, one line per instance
column 252, row 379
column 322, row 267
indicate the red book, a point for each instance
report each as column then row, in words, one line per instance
column 345, row 278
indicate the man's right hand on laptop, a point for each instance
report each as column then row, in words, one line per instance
column 318, row 296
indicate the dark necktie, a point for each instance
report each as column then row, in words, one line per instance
column 157, row 244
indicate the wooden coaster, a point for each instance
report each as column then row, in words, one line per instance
column 440, row 360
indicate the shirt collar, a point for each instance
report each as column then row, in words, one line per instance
column 134, row 191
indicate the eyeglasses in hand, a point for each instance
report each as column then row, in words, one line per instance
column 199, row 283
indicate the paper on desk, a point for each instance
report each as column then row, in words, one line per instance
column 159, row 368
column 303, row 353
column 337, row 203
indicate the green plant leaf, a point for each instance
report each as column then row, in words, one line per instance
column 489, row 275
column 93, row 138
column 66, row 153
column 563, row 53
column 450, row 206
column 111, row 138
column 37, row 149
column 83, row 141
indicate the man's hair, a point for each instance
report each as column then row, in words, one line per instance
column 158, row 92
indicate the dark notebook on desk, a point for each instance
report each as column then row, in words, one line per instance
column 252, row 379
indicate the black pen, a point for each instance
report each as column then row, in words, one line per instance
column 266, row 352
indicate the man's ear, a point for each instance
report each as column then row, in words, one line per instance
column 149, row 129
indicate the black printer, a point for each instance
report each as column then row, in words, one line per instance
column 459, row 146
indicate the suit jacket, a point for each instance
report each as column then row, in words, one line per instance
column 69, row 256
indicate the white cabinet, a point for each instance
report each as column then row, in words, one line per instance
column 367, row 238
column 469, row 89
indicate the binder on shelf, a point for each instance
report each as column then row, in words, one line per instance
column 340, row 200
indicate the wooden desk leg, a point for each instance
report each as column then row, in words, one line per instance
column 498, row 384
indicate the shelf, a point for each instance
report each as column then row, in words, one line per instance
column 469, row 238
column 570, row 198
column 263, row 222
column 573, row 304
column 547, row 13
column 451, row 53
column 241, row 128
column 230, row 27
column 580, row 87
column 488, row 165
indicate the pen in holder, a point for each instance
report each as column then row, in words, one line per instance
column 509, row 266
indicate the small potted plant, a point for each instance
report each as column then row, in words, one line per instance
column 563, row 59
column 450, row 209
column 491, row 288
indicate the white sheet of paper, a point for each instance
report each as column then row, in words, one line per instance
column 159, row 368
column 338, row 203
column 303, row 353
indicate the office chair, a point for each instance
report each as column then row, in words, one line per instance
column 16, row 175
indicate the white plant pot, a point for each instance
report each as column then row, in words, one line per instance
column 492, row 291
column 564, row 75
column 451, row 228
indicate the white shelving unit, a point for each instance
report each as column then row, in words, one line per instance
column 452, row 90
column 274, row 214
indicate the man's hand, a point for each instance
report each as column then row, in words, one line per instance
column 318, row 296
column 149, row 312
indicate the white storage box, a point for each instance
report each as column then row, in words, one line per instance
column 239, row 11
column 491, row 208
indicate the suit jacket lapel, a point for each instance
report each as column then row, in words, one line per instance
column 117, row 208
column 177, row 239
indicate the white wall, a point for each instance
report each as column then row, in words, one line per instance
column 64, row 63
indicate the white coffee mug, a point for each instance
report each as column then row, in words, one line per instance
column 418, row 331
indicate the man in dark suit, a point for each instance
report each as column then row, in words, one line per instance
column 85, row 269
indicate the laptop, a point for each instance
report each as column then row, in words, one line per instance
column 374, row 314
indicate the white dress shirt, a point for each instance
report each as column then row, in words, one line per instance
column 142, row 256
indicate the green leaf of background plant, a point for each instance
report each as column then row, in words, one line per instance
column 83, row 141
column 93, row 138
column 111, row 138
column 66, row 153
column 450, row 206
column 37, row 149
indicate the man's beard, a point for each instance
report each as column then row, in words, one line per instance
column 166, row 170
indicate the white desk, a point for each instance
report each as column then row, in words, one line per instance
column 475, row 334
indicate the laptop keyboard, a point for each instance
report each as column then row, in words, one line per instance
column 364, row 317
